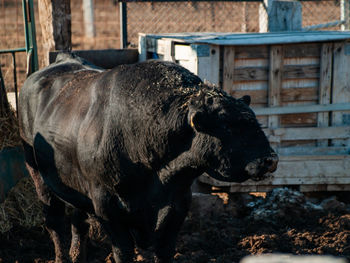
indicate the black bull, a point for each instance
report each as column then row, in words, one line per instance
column 125, row 145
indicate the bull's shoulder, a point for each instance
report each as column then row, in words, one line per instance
column 152, row 81
column 158, row 73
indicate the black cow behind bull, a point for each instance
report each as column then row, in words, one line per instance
column 125, row 145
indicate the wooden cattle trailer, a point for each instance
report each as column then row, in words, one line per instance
column 300, row 88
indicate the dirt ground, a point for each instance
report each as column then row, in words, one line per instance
column 217, row 229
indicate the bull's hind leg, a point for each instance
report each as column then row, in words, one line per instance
column 80, row 230
column 122, row 242
column 54, row 209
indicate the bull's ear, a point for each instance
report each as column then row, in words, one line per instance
column 246, row 99
column 197, row 121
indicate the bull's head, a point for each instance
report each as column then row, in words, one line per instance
column 229, row 141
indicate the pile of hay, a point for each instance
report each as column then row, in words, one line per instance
column 21, row 207
column 9, row 131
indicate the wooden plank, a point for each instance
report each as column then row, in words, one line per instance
column 151, row 44
column 263, row 120
column 166, row 48
column 142, row 48
column 209, row 66
column 250, row 73
column 275, row 81
column 228, row 68
column 300, row 83
column 250, row 85
column 301, row 61
column 298, row 120
column 252, row 62
column 299, row 94
column 313, row 151
column 298, row 143
column 338, row 187
column 307, row 133
column 301, row 72
column 326, row 69
column 244, row 52
column 285, row 16
column 302, row 50
column 321, row 158
column 302, row 109
column 341, row 85
column 257, row 96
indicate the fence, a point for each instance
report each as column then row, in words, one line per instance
column 151, row 17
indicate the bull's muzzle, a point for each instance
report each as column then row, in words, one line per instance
column 262, row 168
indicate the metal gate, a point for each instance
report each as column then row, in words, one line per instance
column 30, row 46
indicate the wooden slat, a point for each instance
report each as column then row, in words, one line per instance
column 299, row 94
column 229, row 67
column 298, row 143
column 252, row 52
column 275, row 81
column 263, row 120
column 313, row 151
column 251, row 85
column 301, row 61
column 251, row 73
column 299, row 120
column 257, row 96
column 302, row 50
column 300, row 83
column 301, row 72
column 208, row 67
column 321, row 158
column 252, row 62
column 302, row 109
column 341, row 88
column 325, row 85
column 308, row 133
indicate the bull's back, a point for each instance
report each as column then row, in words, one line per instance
column 49, row 96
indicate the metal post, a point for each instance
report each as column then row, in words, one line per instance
column 123, row 25
column 30, row 34
column 15, row 78
column 33, row 36
column 89, row 18
column 26, row 31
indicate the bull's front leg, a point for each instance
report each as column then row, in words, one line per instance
column 170, row 220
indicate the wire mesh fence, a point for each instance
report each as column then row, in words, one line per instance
column 219, row 16
column 153, row 17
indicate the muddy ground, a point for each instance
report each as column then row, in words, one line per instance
column 220, row 228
